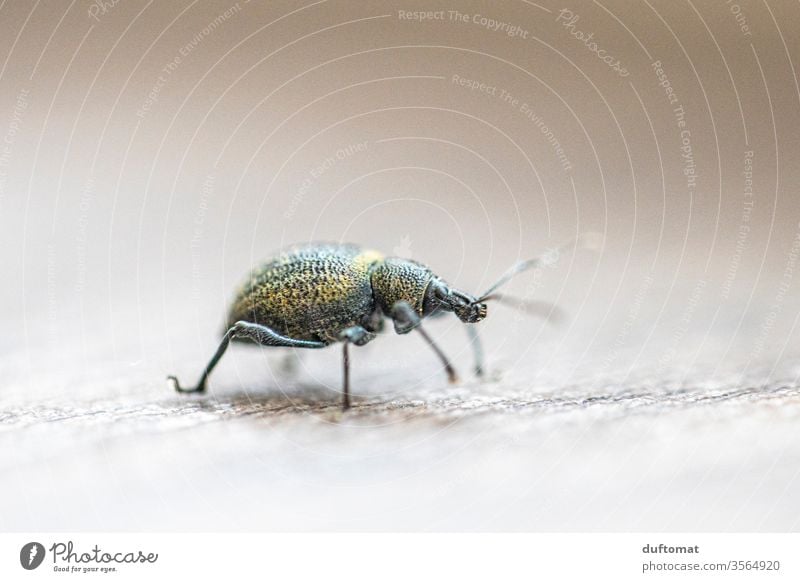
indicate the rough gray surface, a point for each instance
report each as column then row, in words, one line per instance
column 518, row 451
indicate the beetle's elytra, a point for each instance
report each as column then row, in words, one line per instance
column 314, row 295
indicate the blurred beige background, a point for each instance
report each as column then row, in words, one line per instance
column 151, row 153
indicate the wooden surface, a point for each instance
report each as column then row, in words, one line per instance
column 113, row 449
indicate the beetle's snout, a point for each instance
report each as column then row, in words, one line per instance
column 471, row 312
column 466, row 307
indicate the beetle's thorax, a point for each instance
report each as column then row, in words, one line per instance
column 396, row 279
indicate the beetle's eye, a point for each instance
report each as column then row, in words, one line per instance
column 436, row 294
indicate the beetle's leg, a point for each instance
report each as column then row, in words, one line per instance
column 265, row 336
column 351, row 335
column 477, row 348
column 201, row 385
column 356, row 335
column 452, row 377
column 405, row 319
column 259, row 334
column 346, row 375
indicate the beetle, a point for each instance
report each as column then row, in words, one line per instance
column 315, row 295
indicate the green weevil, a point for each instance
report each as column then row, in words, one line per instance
column 315, row 295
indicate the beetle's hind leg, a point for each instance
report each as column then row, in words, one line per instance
column 201, row 385
column 260, row 334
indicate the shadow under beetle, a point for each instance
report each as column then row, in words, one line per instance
column 315, row 295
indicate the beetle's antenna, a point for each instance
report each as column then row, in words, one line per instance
column 588, row 240
column 544, row 309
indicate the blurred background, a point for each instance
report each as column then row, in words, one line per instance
column 152, row 153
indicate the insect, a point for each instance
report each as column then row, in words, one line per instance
column 315, row 295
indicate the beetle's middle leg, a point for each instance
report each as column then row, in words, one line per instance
column 352, row 335
column 242, row 329
column 405, row 319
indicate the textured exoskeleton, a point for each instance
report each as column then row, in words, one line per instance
column 314, row 295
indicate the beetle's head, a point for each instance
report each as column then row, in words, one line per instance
column 396, row 279
column 438, row 296
column 469, row 309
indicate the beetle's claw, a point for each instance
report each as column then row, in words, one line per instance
column 173, row 381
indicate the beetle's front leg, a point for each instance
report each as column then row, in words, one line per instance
column 405, row 319
column 477, row 349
